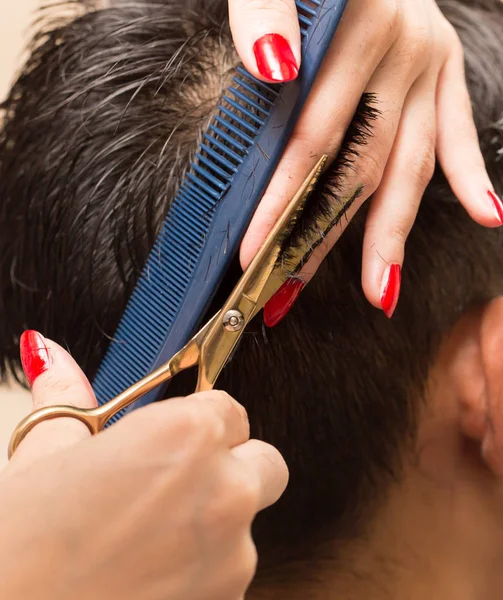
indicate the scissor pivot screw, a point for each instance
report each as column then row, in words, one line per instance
column 233, row 320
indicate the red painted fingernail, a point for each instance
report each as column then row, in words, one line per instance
column 275, row 59
column 35, row 356
column 390, row 289
column 497, row 204
column 281, row 303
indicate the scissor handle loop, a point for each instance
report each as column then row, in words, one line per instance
column 90, row 420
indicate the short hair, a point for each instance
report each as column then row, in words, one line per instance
column 97, row 133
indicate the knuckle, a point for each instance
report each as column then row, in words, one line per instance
column 456, row 45
column 153, row 422
column 417, row 41
column 390, row 14
column 303, row 140
column 419, row 44
column 398, row 233
column 232, row 507
column 249, row 560
column 370, row 172
column 244, row 565
column 197, row 425
column 233, row 407
column 450, row 39
column 423, row 165
column 228, row 411
column 206, row 426
column 62, row 390
column 247, row 496
column 243, row 494
column 241, row 414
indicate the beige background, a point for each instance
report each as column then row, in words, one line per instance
column 16, row 18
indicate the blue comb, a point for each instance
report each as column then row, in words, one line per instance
column 211, row 212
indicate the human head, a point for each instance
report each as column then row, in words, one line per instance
column 98, row 131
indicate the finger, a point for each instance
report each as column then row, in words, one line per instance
column 56, row 379
column 236, row 563
column 267, row 465
column 458, row 148
column 266, row 34
column 335, row 95
column 204, row 418
column 222, row 407
column 394, row 207
column 356, row 174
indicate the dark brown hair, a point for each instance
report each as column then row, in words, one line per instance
column 97, row 132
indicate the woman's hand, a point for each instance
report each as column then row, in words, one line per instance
column 159, row 506
column 406, row 54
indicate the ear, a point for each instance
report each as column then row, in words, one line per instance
column 491, row 347
column 466, row 375
column 477, row 375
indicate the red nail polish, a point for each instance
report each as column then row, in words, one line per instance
column 275, row 59
column 390, row 289
column 498, row 205
column 35, row 356
column 281, row 303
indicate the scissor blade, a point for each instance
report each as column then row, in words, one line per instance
column 255, row 287
column 258, row 283
column 295, row 255
column 287, row 260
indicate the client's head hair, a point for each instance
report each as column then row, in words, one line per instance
column 97, row 133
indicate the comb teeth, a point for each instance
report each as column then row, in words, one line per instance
column 240, row 116
column 307, row 11
column 162, row 287
column 156, row 299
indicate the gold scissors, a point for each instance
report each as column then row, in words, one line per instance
column 211, row 347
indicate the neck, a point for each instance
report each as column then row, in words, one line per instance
column 437, row 536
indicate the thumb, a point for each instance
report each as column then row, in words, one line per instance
column 55, row 379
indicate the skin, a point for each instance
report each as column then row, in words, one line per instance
column 452, row 482
column 408, row 55
column 438, row 534
column 158, row 507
